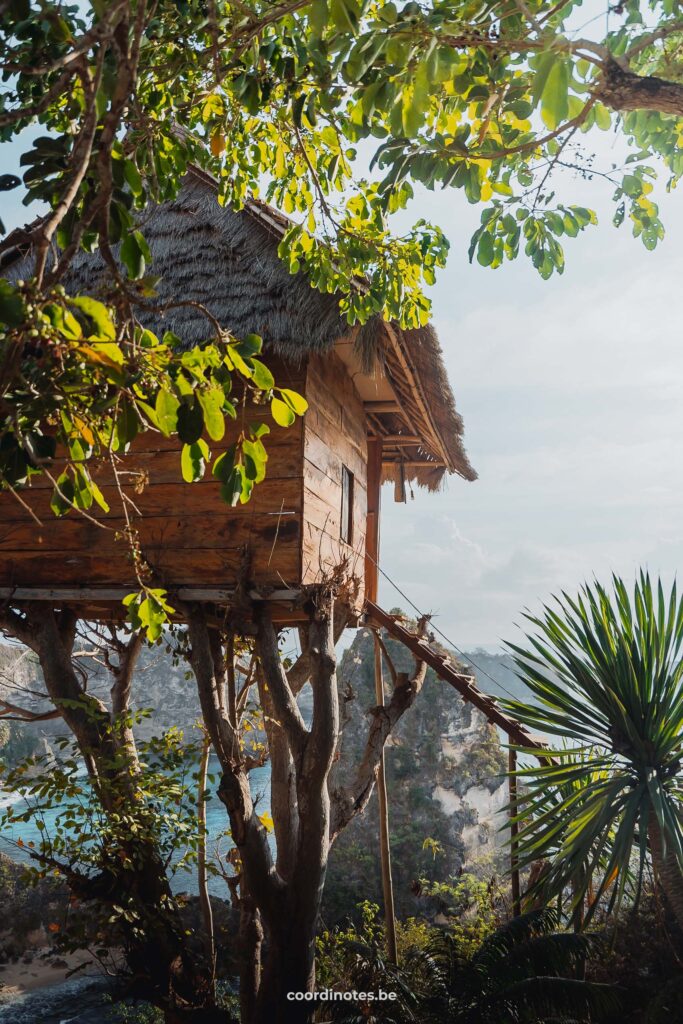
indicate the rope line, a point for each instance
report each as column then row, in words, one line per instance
column 443, row 636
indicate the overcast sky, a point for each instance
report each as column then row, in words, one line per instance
column 571, row 394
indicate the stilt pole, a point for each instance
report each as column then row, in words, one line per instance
column 514, row 832
column 385, row 850
column 202, row 876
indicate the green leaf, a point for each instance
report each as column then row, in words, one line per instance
column 13, row 460
column 318, row 16
column 63, row 495
column 132, row 176
column 190, row 422
column 224, row 464
column 555, row 98
column 98, row 496
column 251, row 345
column 135, row 254
column 255, row 460
column 543, row 68
column 99, row 314
column 193, row 460
column 603, row 118
column 166, row 408
column 149, row 413
column 12, row 307
column 262, row 377
column 485, row 250
column 231, row 489
column 296, row 402
column 281, row 413
column 211, row 402
column 83, row 496
column 127, row 425
column 345, row 14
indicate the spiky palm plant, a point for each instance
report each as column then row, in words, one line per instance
column 521, row 973
column 605, row 670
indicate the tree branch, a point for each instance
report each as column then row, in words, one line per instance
column 123, row 674
column 15, row 713
column 300, row 672
column 248, row 833
column 284, row 702
column 621, row 89
column 349, row 801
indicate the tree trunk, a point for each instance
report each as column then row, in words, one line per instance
column 666, row 868
column 287, row 892
column 384, row 833
column 289, row 972
column 250, row 943
column 156, row 949
column 621, row 89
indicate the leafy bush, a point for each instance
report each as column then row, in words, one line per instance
column 643, row 953
column 523, row 971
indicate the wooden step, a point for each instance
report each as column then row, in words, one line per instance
column 464, row 684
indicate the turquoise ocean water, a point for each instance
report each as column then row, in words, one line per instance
column 216, row 818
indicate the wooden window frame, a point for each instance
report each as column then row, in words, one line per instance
column 346, row 520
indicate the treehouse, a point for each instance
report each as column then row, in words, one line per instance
column 380, row 408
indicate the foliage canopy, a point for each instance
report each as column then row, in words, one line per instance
column 332, row 108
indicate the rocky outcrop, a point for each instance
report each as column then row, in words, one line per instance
column 445, row 777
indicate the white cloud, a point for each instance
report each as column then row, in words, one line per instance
column 571, row 394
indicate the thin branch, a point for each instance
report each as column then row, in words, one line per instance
column 652, row 37
column 284, row 701
column 349, row 801
column 387, row 657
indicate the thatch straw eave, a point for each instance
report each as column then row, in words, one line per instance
column 228, row 262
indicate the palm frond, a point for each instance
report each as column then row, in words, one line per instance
column 605, row 669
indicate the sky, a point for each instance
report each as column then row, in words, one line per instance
column 571, row 392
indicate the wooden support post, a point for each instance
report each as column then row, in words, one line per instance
column 514, row 832
column 202, row 876
column 372, row 528
column 385, row 849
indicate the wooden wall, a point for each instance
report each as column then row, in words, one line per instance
column 188, row 534
column 335, row 434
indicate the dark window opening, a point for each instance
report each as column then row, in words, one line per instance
column 346, row 530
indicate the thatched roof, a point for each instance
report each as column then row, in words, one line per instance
column 227, row 260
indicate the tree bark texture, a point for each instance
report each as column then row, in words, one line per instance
column 384, row 833
column 623, row 90
column 284, row 893
column 667, row 869
column 159, row 959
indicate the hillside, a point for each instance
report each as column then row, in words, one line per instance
column 444, row 778
column 444, row 763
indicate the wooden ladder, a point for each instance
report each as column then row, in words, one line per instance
column 446, row 670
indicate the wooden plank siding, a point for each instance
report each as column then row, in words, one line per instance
column 335, row 435
column 291, row 525
column 187, row 533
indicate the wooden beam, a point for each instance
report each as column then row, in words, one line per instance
column 374, row 493
column 401, row 439
column 212, row 594
column 415, row 463
column 373, row 407
column 416, row 389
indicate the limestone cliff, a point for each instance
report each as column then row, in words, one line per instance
column 445, row 768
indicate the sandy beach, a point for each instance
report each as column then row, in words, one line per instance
column 44, row 969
